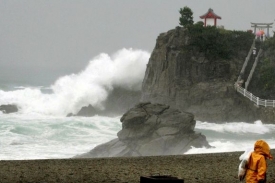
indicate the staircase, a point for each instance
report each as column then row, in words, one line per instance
column 244, row 79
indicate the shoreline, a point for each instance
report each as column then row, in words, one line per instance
column 203, row 168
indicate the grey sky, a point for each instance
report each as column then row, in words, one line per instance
column 45, row 39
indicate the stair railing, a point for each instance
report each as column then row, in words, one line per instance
column 253, row 69
column 253, row 98
column 246, row 61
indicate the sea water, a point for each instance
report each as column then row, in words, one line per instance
column 41, row 130
column 48, row 137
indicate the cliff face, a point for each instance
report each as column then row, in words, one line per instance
column 187, row 80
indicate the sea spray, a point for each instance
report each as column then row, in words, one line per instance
column 233, row 136
column 36, row 136
column 24, row 136
column 125, row 68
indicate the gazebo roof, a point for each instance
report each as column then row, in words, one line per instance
column 210, row 14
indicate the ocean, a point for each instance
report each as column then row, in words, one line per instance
column 41, row 130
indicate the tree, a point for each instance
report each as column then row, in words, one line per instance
column 199, row 23
column 186, row 16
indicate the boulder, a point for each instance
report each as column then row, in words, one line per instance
column 152, row 129
column 9, row 108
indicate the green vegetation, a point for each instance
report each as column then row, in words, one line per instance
column 267, row 74
column 269, row 43
column 186, row 16
column 221, row 45
column 217, row 43
column 267, row 66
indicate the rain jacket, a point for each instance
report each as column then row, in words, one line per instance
column 256, row 168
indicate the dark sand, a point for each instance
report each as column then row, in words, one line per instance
column 206, row 168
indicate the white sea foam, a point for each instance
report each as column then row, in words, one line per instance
column 235, row 136
column 32, row 137
column 125, row 69
column 229, row 146
column 237, row 127
column 36, row 136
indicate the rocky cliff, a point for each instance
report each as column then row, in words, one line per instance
column 191, row 82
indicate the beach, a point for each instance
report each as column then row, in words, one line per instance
column 204, row 168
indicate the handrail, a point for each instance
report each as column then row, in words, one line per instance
column 253, row 98
column 252, row 70
column 243, row 91
column 246, row 60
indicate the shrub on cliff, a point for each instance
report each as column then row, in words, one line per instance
column 269, row 43
column 218, row 43
column 267, row 75
column 267, row 67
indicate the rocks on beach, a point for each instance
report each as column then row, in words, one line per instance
column 152, row 129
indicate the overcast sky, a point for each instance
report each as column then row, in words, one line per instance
column 41, row 40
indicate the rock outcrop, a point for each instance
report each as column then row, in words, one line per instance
column 119, row 101
column 190, row 82
column 9, row 108
column 152, row 129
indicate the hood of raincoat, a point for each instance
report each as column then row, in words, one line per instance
column 263, row 148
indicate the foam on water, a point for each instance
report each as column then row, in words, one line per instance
column 33, row 137
column 235, row 136
column 40, row 129
column 238, row 127
column 47, row 137
column 125, row 69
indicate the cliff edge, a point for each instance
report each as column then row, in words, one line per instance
column 190, row 81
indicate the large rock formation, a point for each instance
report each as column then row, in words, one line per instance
column 152, row 129
column 190, row 82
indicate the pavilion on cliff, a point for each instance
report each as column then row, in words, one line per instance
column 210, row 18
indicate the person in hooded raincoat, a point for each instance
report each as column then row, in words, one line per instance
column 257, row 166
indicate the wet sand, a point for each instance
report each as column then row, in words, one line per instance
column 203, row 168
